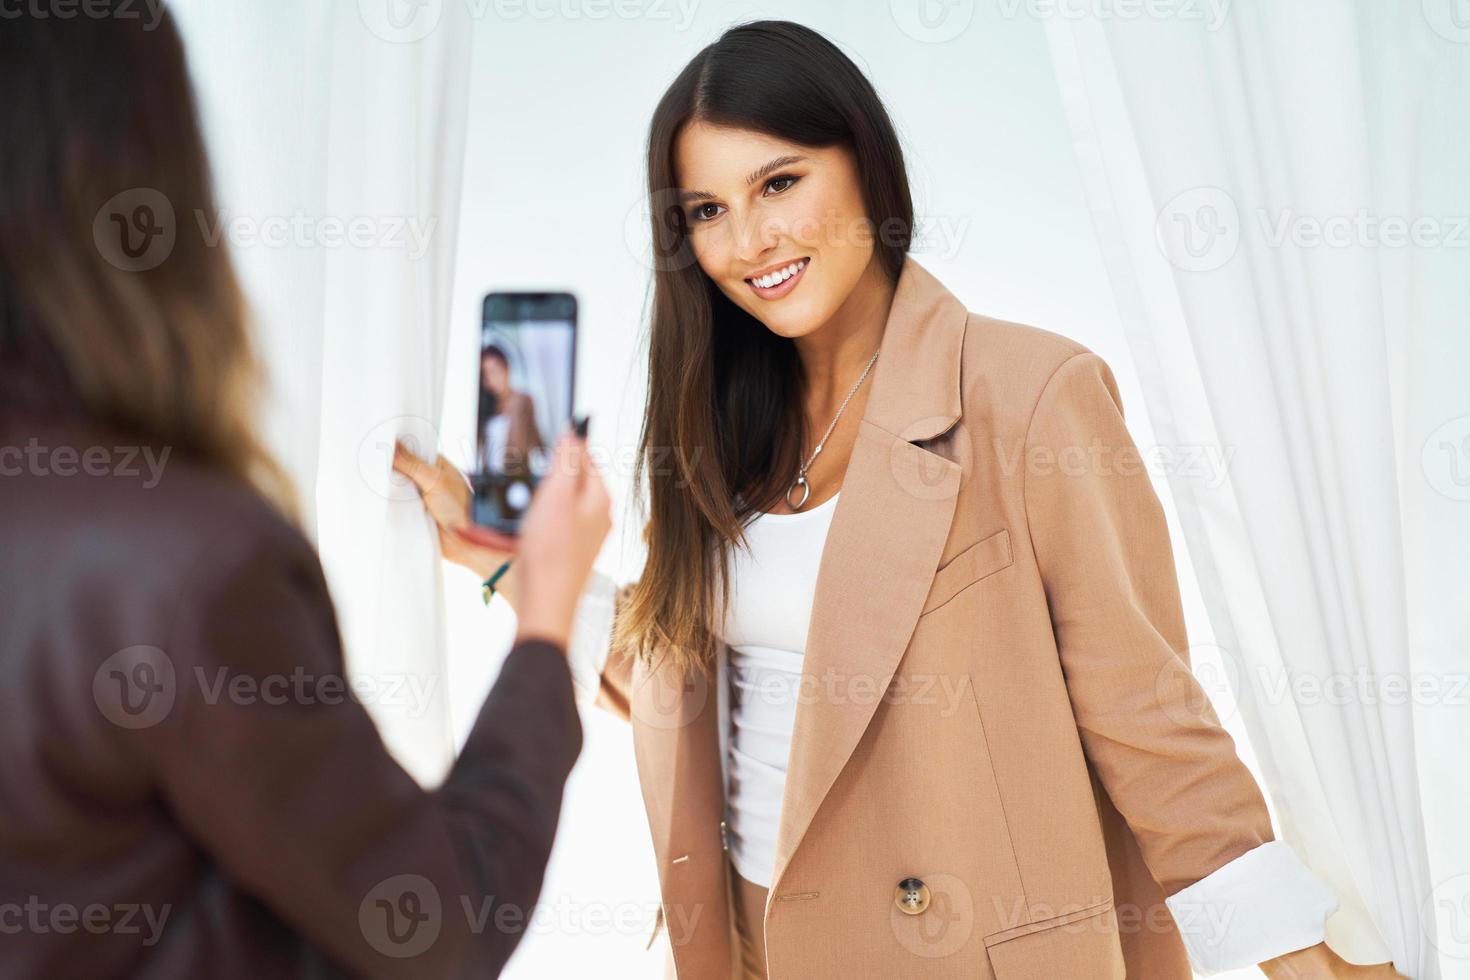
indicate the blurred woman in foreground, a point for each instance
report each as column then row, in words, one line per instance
column 187, row 789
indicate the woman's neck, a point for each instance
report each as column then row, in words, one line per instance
column 834, row 355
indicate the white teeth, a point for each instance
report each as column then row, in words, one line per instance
column 779, row 276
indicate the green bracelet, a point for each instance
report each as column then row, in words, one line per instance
column 488, row 589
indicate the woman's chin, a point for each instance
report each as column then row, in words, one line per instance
column 790, row 319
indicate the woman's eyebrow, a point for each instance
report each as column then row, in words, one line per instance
column 765, row 169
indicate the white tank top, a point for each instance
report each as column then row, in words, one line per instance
column 772, row 586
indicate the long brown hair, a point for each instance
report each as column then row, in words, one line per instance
column 106, row 283
column 723, row 414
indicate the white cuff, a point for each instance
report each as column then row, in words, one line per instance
column 1260, row 905
column 591, row 636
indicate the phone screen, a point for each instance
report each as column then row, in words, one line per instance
column 527, row 368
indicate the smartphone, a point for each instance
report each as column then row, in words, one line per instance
column 526, row 373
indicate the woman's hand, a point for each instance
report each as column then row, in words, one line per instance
column 1319, row 962
column 561, row 535
column 446, row 495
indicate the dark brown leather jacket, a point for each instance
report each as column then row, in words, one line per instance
column 186, row 788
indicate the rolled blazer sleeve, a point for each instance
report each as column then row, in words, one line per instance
column 602, row 676
column 591, row 637
column 1101, row 542
column 287, row 786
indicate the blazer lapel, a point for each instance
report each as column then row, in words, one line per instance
column 885, row 540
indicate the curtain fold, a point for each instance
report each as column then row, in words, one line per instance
column 338, row 144
column 1273, row 197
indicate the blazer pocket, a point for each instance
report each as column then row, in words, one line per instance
column 1083, row 945
column 985, row 557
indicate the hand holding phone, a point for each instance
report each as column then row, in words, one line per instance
column 560, row 537
column 562, row 532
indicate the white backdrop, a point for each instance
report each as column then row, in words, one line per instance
column 338, row 154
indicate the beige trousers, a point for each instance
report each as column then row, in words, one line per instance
column 750, row 930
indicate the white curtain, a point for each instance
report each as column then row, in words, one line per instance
column 1279, row 194
column 336, row 131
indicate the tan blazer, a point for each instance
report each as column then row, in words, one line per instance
column 996, row 697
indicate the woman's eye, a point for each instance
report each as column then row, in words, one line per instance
column 701, row 212
column 786, row 180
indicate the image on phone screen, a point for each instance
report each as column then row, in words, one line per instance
column 526, row 373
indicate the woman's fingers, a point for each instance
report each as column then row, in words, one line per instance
column 445, row 490
column 421, row 474
column 571, row 452
column 484, row 537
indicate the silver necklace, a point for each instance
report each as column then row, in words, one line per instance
column 800, row 481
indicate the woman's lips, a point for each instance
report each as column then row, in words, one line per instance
column 781, row 288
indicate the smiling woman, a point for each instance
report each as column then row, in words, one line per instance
column 786, row 219
column 918, row 728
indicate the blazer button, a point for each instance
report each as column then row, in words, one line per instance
column 911, row 896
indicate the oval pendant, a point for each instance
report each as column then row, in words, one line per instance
column 806, row 491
